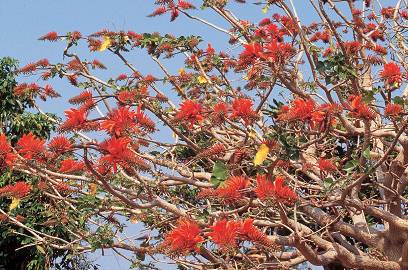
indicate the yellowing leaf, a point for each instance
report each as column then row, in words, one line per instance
column 202, row 79
column 92, row 188
column 134, row 219
column 181, row 71
column 265, row 8
column 261, row 154
column 105, row 44
column 14, row 203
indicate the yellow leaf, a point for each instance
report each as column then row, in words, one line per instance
column 181, row 71
column 14, row 203
column 261, row 154
column 105, row 44
column 202, row 79
column 133, row 219
column 92, row 188
column 265, row 8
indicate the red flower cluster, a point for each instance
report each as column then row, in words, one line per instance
column 326, row 165
column 277, row 191
column 29, row 146
column 231, row 189
column 7, row 158
column 190, row 111
column 70, row 166
column 392, row 74
column 59, row 144
column 184, row 238
column 76, row 119
column 18, row 190
column 359, row 109
column 307, row 110
column 119, row 121
column 273, row 51
column 118, row 153
column 392, row 110
column 227, row 233
column 242, row 108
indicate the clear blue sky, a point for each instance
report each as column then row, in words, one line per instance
column 23, row 21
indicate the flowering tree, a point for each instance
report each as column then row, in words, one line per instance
column 291, row 148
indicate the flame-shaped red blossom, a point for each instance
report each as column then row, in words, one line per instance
column 18, row 190
column 359, row 109
column 380, row 49
column 30, row 146
column 185, row 5
column 7, row 158
column 184, row 238
column 30, row 68
column 326, row 165
column 266, row 189
column 118, row 152
column 219, row 113
column 97, row 64
column 24, row 88
column 120, row 120
column 251, row 233
column 391, row 73
column 251, row 52
column 388, row 12
column 59, row 144
column 230, row 190
column 392, row 110
column 76, row 119
column 83, row 97
column 158, row 11
column 75, row 36
column 242, row 108
column 127, row 96
column 215, row 150
column 225, row 234
column 121, row 77
column 70, row 165
column 352, row 47
column 190, row 111
column 143, row 121
column 51, row 36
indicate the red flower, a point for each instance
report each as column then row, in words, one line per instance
column 251, row 233
column 76, row 119
column 18, row 190
column 120, row 120
column 118, row 152
column 391, row 73
column 326, row 165
column 184, row 238
column 70, row 165
column 6, row 156
column 230, row 190
column 393, row 110
column 225, row 233
column 59, row 144
column 359, row 109
column 190, row 111
column 51, row 36
column 219, row 113
column 251, row 52
column 242, row 108
column 30, row 146
column 265, row 190
column 143, row 121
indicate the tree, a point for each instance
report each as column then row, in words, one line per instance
column 291, row 148
column 18, row 250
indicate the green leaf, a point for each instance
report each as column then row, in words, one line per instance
column 220, row 173
column 366, row 153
